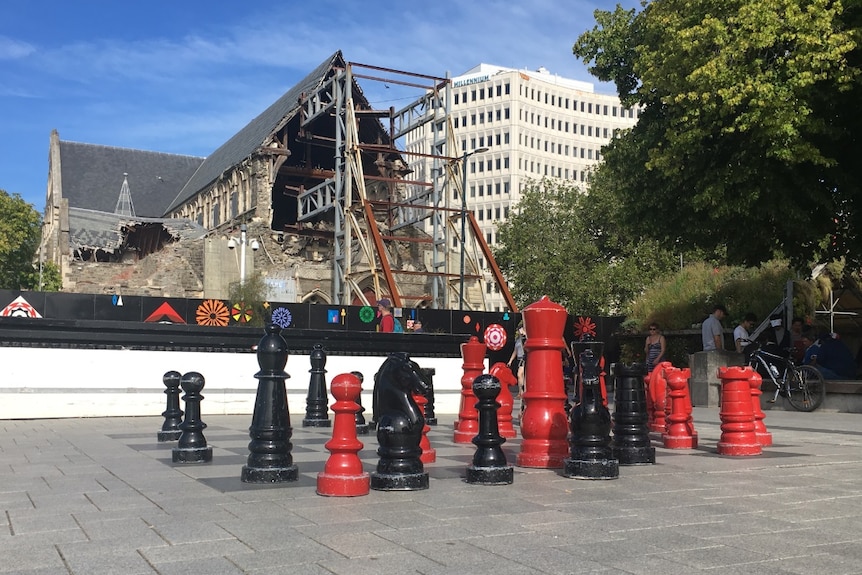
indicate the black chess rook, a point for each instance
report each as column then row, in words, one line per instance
column 631, row 443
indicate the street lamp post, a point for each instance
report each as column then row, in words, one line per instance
column 464, row 219
column 243, row 242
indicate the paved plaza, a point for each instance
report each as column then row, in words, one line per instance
column 101, row 495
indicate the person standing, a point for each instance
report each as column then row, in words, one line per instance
column 518, row 358
column 655, row 347
column 742, row 332
column 712, row 331
column 385, row 322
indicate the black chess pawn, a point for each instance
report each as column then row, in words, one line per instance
column 489, row 462
column 399, row 429
column 631, row 444
column 317, row 410
column 359, row 418
column 427, row 374
column 173, row 414
column 270, row 459
column 590, row 440
column 192, row 446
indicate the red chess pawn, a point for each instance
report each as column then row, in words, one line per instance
column 343, row 475
column 503, row 373
column 544, row 423
column 764, row 438
column 467, row 424
column 658, row 396
column 737, row 416
column 680, row 428
column 429, row 454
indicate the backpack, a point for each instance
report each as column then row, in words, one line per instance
column 398, row 328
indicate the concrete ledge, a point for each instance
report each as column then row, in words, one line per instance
column 845, row 386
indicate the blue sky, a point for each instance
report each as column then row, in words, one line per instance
column 183, row 76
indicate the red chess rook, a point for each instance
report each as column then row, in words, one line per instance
column 737, row 417
column 680, row 427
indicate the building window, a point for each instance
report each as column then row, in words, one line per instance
column 506, row 163
column 473, row 120
column 506, row 137
column 472, row 191
column 506, row 113
column 499, row 89
column 497, row 188
column 473, row 96
column 456, row 99
column 507, row 87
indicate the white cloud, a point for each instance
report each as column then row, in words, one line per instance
column 11, row 49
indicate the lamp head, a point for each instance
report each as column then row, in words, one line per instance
column 255, row 245
column 231, row 243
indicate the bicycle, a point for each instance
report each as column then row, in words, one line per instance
column 802, row 385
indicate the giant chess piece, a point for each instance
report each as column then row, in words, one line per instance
column 192, row 446
column 631, row 444
column 270, row 459
column 544, row 422
column 504, row 374
column 399, row 428
column 342, row 476
column 173, row 414
column 467, row 424
column 489, row 462
column 428, row 374
column 358, row 417
column 316, row 413
column 591, row 453
column 738, row 434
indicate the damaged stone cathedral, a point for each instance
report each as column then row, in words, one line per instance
column 331, row 211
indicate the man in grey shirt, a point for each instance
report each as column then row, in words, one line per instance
column 712, row 330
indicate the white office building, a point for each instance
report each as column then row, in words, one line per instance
column 534, row 124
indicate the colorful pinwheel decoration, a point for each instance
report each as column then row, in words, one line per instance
column 585, row 328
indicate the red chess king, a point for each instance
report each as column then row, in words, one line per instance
column 544, row 425
column 343, row 475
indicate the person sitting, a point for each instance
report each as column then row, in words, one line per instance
column 742, row 331
column 832, row 358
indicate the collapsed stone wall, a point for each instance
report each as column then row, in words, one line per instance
column 174, row 271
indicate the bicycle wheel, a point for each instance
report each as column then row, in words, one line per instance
column 807, row 388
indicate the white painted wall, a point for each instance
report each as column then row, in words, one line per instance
column 48, row 382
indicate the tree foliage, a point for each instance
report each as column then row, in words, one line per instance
column 558, row 242
column 748, row 136
column 20, row 232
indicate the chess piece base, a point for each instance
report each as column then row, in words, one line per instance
column 491, row 475
column 592, row 469
column 192, row 455
column 343, row 485
column 635, row 455
column 269, row 474
column 172, row 435
column 399, row 482
column 316, row 423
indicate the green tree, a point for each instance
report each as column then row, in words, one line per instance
column 20, row 232
column 558, row 242
column 748, row 132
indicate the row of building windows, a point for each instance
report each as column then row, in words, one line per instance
column 557, row 148
column 562, row 126
column 477, row 94
column 490, row 116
